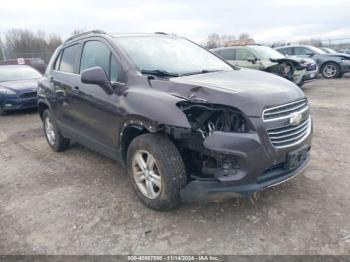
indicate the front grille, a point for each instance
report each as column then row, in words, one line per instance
column 289, row 135
column 285, row 111
column 28, row 95
column 311, row 67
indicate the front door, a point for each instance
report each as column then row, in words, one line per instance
column 99, row 112
column 245, row 58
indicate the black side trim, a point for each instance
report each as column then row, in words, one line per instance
column 110, row 152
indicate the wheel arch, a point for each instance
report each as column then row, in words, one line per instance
column 42, row 106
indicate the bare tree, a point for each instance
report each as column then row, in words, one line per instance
column 2, row 55
column 78, row 31
column 215, row 40
column 243, row 36
column 24, row 43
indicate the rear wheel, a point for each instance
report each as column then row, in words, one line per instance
column 157, row 171
column 330, row 70
column 54, row 138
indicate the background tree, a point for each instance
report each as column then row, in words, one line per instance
column 2, row 55
column 26, row 44
column 78, row 31
column 243, row 36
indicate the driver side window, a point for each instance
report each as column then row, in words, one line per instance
column 244, row 55
column 302, row 51
column 96, row 53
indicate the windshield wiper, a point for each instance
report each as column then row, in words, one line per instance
column 159, row 73
column 204, row 71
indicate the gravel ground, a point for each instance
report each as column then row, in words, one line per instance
column 79, row 202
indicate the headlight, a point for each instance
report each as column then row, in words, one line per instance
column 207, row 118
column 6, row 91
column 345, row 60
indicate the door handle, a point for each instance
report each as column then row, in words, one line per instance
column 76, row 88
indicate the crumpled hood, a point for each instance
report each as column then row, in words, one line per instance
column 251, row 91
column 21, row 85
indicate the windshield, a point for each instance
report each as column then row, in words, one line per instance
column 317, row 50
column 169, row 54
column 265, row 52
column 15, row 73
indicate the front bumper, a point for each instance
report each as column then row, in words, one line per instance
column 260, row 164
column 345, row 67
column 12, row 103
column 310, row 75
column 217, row 190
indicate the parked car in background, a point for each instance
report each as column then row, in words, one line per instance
column 330, row 65
column 184, row 122
column 266, row 59
column 36, row 63
column 328, row 50
column 18, row 87
column 345, row 51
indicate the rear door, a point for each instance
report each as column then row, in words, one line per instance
column 99, row 113
column 65, row 79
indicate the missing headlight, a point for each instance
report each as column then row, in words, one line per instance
column 209, row 118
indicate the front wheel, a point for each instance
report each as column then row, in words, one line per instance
column 157, row 171
column 54, row 138
column 330, row 70
column 2, row 112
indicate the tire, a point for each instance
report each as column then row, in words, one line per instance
column 167, row 167
column 54, row 138
column 300, row 83
column 2, row 112
column 330, row 70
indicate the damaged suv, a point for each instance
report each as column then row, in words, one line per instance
column 183, row 122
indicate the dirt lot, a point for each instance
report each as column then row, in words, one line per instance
column 79, row 202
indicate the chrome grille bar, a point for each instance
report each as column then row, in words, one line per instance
column 284, row 111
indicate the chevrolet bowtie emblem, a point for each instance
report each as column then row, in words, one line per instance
column 295, row 119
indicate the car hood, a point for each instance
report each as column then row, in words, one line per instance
column 304, row 60
column 337, row 55
column 249, row 90
column 20, row 85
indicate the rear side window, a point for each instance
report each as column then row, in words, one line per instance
column 68, row 58
column 228, row 54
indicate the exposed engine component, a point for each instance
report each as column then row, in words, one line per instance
column 285, row 69
column 209, row 118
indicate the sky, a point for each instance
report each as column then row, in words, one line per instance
column 266, row 21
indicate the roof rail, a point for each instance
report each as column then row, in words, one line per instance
column 160, row 33
column 85, row 33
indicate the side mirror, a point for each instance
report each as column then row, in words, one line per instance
column 96, row 75
column 252, row 60
column 310, row 54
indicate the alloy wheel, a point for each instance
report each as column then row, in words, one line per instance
column 146, row 174
column 50, row 131
column 330, row 71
